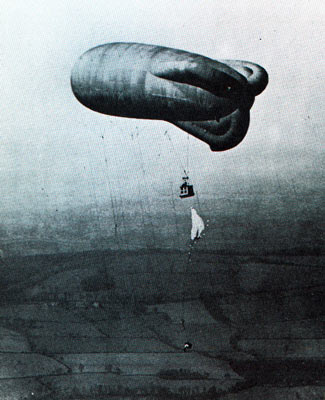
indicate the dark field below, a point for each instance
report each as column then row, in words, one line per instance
column 99, row 325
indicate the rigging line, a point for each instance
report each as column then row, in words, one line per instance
column 143, row 219
column 109, row 186
column 205, row 222
column 149, row 261
column 123, row 222
column 96, row 201
column 198, row 201
column 92, row 188
column 186, row 268
column 175, row 152
column 140, row 203
column 187, row 152
column 119, row 243
column 175, row 216
column 186, row 263
column 146, row 187
column 172, row 199
column 122, row 205
column 166, row 167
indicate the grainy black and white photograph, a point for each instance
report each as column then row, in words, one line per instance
column 161, row 200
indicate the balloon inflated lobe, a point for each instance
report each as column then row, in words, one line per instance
column 152, row 82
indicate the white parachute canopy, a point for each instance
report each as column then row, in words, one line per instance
column 197, row 225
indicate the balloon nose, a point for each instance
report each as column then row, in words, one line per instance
column 84, row 72
column 79, row 72
column 78, row 78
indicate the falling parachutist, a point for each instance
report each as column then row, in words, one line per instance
column 187, row 346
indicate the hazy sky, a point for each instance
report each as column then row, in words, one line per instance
column 51, row 149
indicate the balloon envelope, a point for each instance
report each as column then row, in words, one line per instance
column 207, row 98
